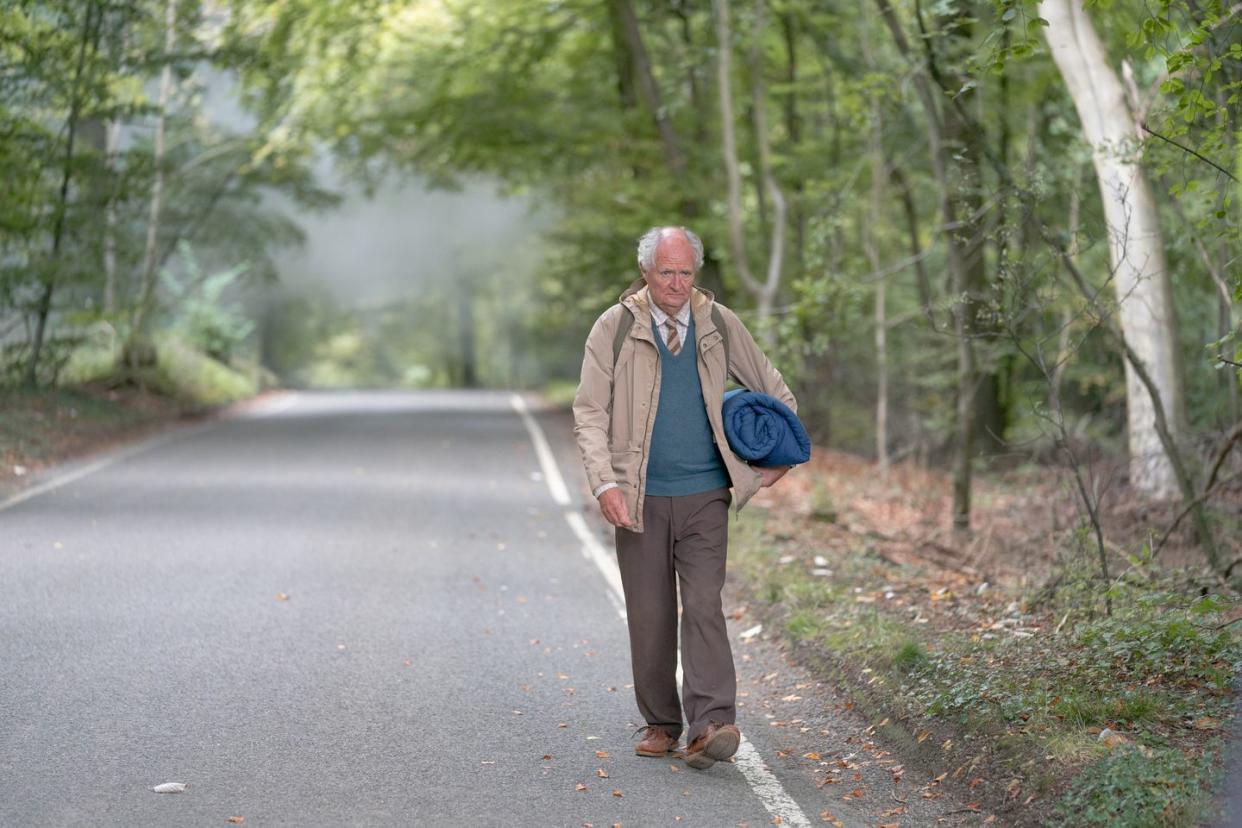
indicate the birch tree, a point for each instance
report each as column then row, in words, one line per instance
column 157, row 183
column 1136, row 245
column 765, row 291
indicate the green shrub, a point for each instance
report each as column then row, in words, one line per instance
column 1131, row 790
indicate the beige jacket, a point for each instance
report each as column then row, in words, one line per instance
column 614, row 415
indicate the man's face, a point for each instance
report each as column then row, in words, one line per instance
column 671, row 278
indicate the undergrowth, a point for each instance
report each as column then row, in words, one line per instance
column 1112, row 718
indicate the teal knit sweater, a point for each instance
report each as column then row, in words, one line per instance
column 684, row 458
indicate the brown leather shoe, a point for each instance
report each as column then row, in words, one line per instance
column 656, row 741
column 718, row 742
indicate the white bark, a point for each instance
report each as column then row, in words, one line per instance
column 764, row 292
column 1136, row 245
column 157, row 184
column 112, row 142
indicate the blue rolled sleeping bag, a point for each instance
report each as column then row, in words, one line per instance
column 763, row 430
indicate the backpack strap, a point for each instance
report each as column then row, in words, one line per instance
column 623, row 330
column 718, row 321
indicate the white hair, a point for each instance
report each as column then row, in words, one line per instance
column 651, row 240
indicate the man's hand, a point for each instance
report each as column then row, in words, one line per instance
column 771, row 474
column 612, row 504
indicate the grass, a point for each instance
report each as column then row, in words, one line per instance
column 1027, row 694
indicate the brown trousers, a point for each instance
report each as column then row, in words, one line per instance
column 685, row 540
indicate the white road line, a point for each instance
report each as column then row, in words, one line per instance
column 129, row 451
column 551, row 472
column 756, row 772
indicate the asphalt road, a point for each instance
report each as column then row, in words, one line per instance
column 342, row 609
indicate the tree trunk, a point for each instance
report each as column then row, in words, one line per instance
column 1136, row 246
column 626, row 27
column 878, row 174
column 112, row 141
column 793, row 128
column 464, row 295
column 960, row 259
column 765, row 292
column 90, row 38
column 157, row 186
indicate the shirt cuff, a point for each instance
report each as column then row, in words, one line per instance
column 603, row 487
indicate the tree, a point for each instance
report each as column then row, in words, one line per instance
column 1139, row 272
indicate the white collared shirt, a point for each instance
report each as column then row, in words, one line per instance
column 682, row 319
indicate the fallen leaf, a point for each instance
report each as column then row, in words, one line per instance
column 617, row 794
column 280, row 596
column 898, row 811
column 827, row 816
column 601, row 754
column 237, row 820
column 812, row 755
column 751, row 633
column 547, row 757
column 580, row 787
column 171, row 787
column 562, row 724
column 601, row 773
column 1206, row 723
column 791, row 697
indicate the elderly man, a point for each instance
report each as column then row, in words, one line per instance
column 648, row 420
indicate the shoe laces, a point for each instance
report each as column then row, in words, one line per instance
column 649, row 727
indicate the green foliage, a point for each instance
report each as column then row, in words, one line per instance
column 1156, row 634
column 198, row 311
column 1128, row 788
column 185, row 373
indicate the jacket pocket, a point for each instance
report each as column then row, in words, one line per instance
column 625, row 465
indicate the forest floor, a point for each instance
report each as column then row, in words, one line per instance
column 48, row 426
column 991, row 659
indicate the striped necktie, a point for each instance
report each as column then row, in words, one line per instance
column 672, row 340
